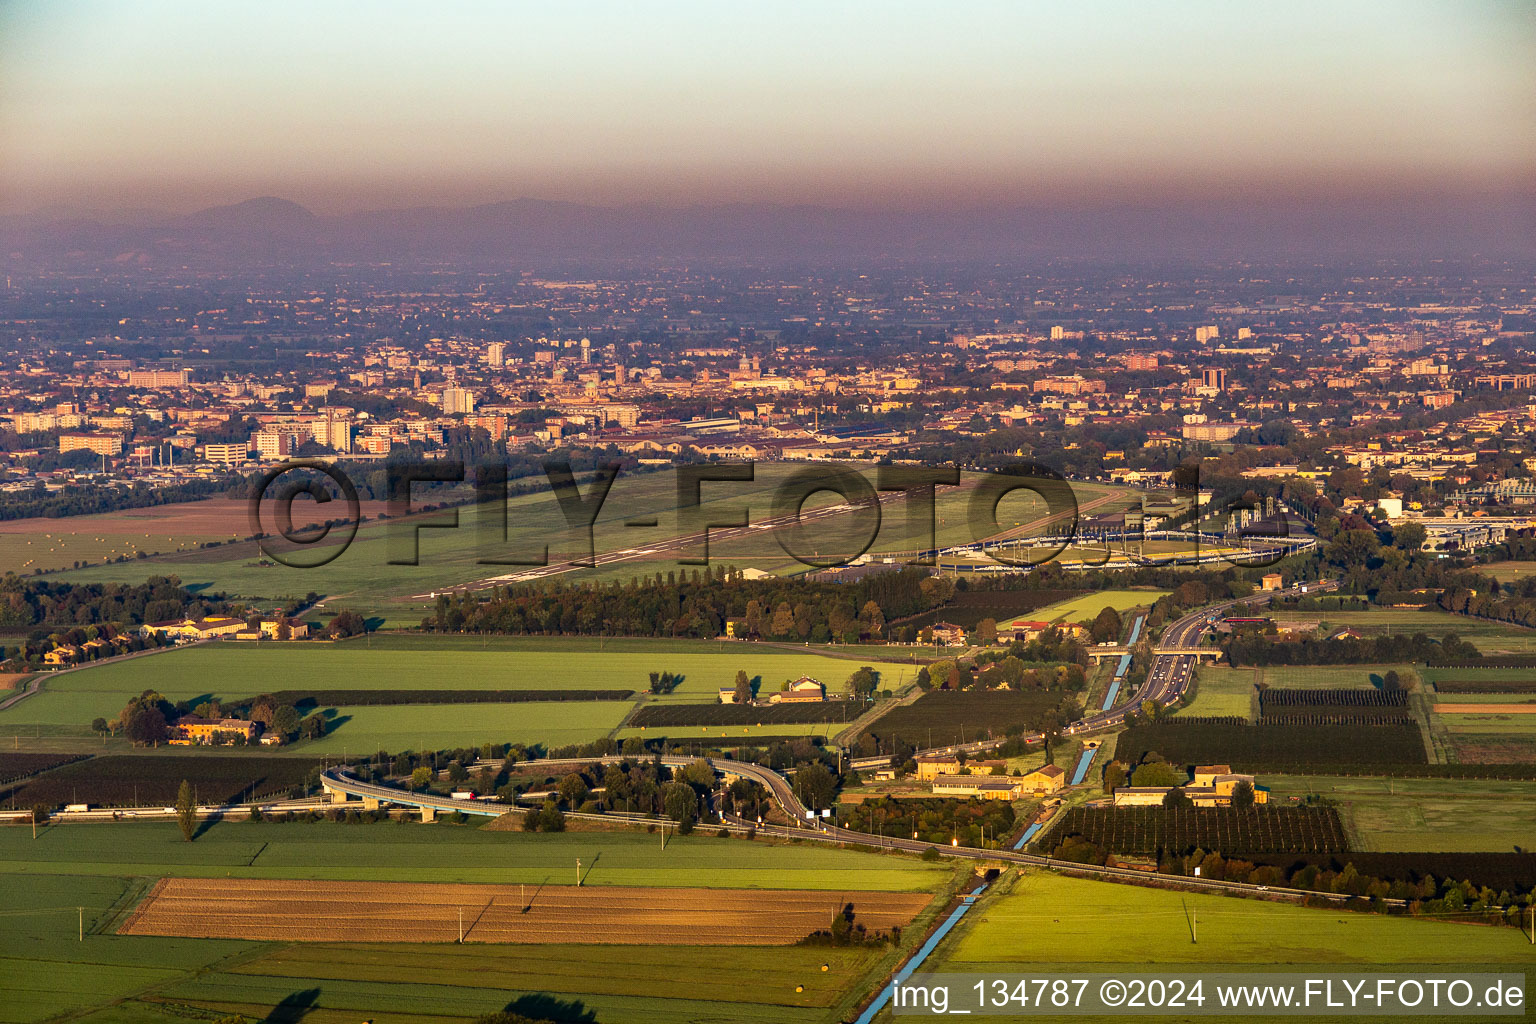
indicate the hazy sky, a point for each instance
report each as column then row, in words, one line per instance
column 176, row 105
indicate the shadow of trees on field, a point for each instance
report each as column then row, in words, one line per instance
column 204, row 824
column 543, row 1006
column 294, row 1007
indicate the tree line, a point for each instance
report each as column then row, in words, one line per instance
column 699, row 603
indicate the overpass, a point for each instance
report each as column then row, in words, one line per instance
column 1100, row 652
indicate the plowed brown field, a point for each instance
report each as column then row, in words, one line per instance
column 319, row 911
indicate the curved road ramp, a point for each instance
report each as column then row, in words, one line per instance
column 325, row 911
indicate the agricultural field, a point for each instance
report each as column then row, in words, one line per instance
column 726, row 736
column 396, row 727
column 408, row 851
column 1084, row 607
column 151, row 780
column 1495, row 734
column 1355, row 706
column 69, row 702
column 1515, row 689
column 1500, row 680
column 968, row 607
column 671, row 980
column 1227, row 830
column 1077, row 921
column 1489, row 637
column 657, row 716
column 48, row 544
column 114, row 978
column 297, row 910
column 1508, row 572
column 1483, row 715
column 1221, row 690
column 942, row 717
column 14, row 766
column 1414, row 815
column 307, row 700
column 1247, row 747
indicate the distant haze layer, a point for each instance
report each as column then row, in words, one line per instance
column 168, row 105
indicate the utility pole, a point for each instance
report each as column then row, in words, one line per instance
column 1194, row 926
column 82, row 923
column 578, row 872
column 461, row 925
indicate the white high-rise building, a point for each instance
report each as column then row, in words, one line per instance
column 496, row 354
column 458, row 401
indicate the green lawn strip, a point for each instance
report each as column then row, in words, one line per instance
column 1048, row 919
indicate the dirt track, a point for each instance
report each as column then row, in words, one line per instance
column 318, row 911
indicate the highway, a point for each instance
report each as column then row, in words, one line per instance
column 1166, row 679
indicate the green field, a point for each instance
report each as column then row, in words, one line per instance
column 727, row 733
column 70, row 701
column 1423, row 815
column 1508, row 572
column 62, row 542
column 45, row 971
column 1223, row 690
column 611, row 981
column 439, row 726
column 1048, row 919
column 407, row 851
column 1084, row 608
column 1489, row 637
column 1433, row 675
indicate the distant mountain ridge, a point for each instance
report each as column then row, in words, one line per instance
column 273, row 230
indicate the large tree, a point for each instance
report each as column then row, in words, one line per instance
column 186, row 811
column 743, row 692
column 1106, row 626
column 815, row 786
